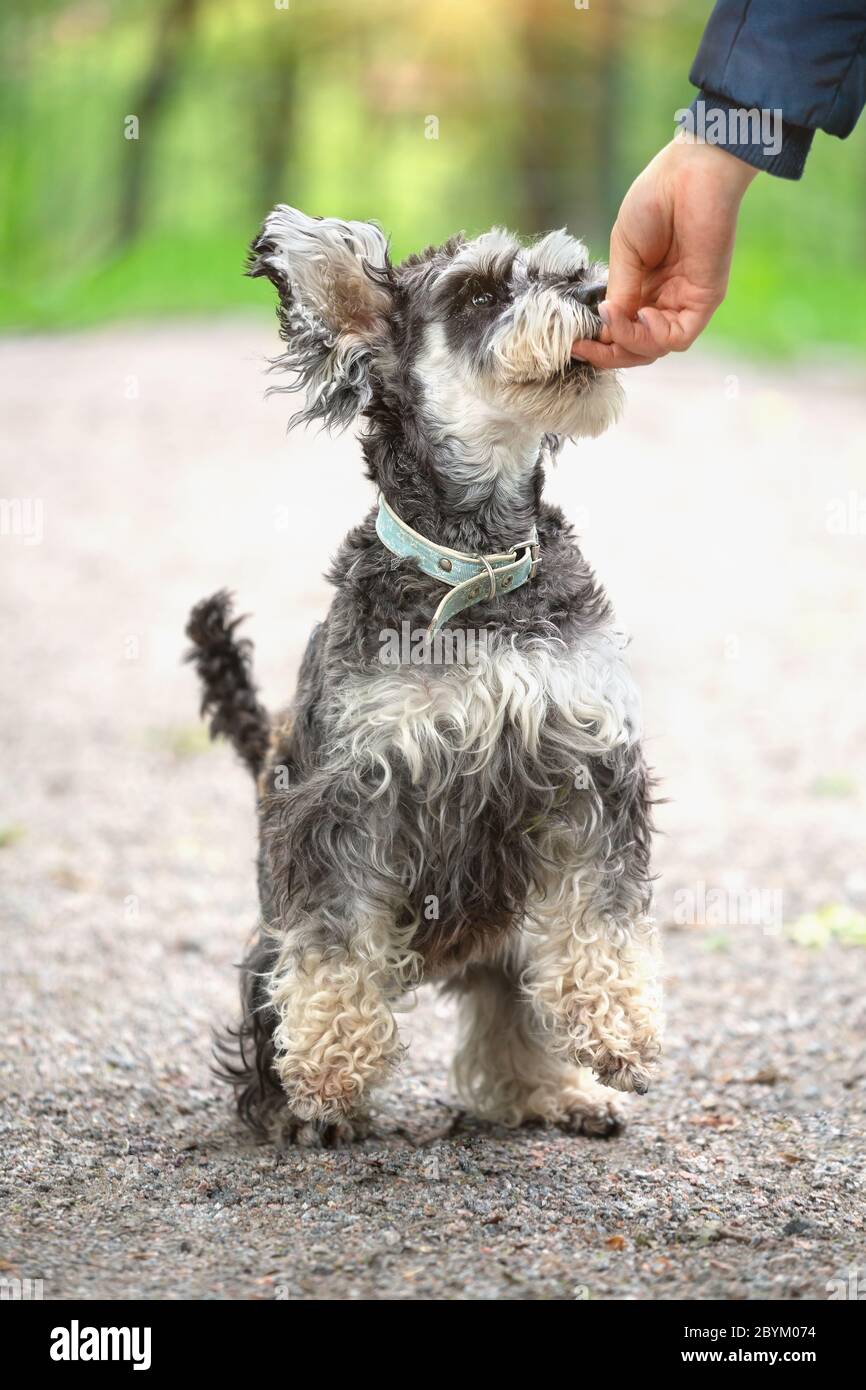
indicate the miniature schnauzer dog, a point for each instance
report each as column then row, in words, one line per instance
column 481, row 822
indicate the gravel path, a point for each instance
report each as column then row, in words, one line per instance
column 717, row 516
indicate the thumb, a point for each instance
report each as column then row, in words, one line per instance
column 625, row 274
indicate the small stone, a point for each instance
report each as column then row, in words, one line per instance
column 797, row 1227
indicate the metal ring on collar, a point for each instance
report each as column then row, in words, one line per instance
column 490, row 574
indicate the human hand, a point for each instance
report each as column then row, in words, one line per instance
column 670, row 254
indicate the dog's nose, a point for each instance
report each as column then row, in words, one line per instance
column 591, row 295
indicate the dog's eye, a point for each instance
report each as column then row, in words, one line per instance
column 482, row 299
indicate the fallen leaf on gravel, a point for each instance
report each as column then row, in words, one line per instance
column 66, row 877
column 714, row 1231
column 767, row 1076
column 727, row 1233
column 615, row 1242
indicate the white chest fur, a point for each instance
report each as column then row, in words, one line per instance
column 584, row 695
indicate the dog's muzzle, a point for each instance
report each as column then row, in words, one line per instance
column 535, row 343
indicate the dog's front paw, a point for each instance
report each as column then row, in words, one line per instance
column 594, row 1112
column 336, row 1036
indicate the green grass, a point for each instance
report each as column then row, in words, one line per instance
column 158, row 276
column 183, row 741
column 834, row 784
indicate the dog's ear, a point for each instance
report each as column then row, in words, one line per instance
column 334, row 282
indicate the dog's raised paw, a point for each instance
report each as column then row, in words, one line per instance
column 621, row 1075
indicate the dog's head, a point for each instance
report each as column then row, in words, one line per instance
column 472, row 328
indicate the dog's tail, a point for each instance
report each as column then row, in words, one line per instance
column 224, row 665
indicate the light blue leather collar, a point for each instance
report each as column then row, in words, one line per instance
column 470, row 577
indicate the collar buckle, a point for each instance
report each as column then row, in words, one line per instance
column 534, row 548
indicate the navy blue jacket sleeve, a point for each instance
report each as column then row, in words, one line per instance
column 805, row 58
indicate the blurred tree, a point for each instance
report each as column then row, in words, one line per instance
column 174, row 33
column 569, row 114
column 539, row 129
column 609, row 62
column 275, row 125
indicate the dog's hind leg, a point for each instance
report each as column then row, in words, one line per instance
column 505, row 1070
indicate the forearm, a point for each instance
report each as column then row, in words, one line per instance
column 799, row 67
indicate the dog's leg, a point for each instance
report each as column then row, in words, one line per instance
column 592, row 977
column 246, row 1055
column 335, row 1037
column 505, row 1070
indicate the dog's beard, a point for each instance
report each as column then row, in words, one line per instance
column 527, row 368
column 533, row 340
column 578, row 402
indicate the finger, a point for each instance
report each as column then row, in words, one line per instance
column 625, row 272
column 608, row 354
column 633, row 335
column 602, row 336
column 655, row 331
column 674, row 330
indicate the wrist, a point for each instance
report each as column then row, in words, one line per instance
column 727, row 171
column 761, row 139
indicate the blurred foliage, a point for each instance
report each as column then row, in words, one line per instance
column 545, row 113
column 834, row 922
